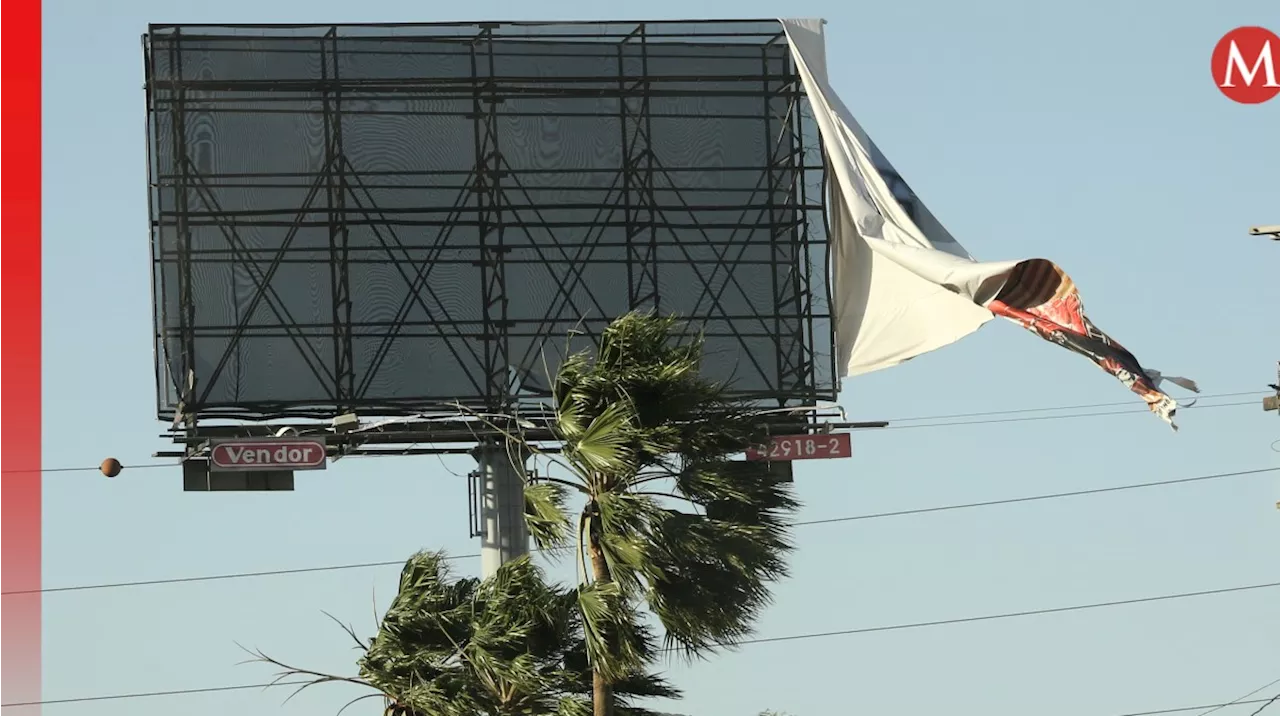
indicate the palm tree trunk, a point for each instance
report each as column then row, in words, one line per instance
column 601, row 689
column 601, row 695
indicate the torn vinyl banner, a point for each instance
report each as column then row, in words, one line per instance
column 903, row 286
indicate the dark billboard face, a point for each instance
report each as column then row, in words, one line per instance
column 346, row 218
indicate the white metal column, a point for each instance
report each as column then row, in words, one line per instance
column 504, row 534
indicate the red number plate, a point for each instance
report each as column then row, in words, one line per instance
column 804, row 447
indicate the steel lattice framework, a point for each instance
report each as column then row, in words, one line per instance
column 386, row 218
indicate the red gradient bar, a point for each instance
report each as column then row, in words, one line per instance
column 20, row 502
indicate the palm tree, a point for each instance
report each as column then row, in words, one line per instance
column 506, row 646
column 632, row 418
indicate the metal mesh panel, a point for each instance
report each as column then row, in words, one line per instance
column 387, row 218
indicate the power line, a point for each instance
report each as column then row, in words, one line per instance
column 1034, row 498
column 1126, row 403
column 95, row 468
column 1240, row 699
column 769, row 640
column 1034, row 418
column 219, row 577
column 150, row 694
column 1138, row 411
column 1008, row 615
column 1184, row 709
column 803, row 523
column 1270, row 701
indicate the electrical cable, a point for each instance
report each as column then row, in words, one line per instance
column 1138, row 411
column 1006, row 615
column 802, row 523
column 95, row 468
column 1263, row 707
column 1034, row 418
column 1087, row 406
column 1034, row 498
column 1240, row 699
column 1184, row 709
column 765, row 640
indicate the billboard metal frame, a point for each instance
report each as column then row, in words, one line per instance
column 804, row 363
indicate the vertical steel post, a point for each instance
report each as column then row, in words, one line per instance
column 504, row 534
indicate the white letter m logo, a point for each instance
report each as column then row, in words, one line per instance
column 1235, row 61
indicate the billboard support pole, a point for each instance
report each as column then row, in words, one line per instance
column 504, row 535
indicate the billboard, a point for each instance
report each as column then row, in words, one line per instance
column 384, row 219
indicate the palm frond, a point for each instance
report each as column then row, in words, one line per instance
column 617, row 644
column 603, row 445
column 624, row 525
column 573, row 706
column 651, row 686
column 350, row 631
column 738, row 491
column 708, row 579
column 546, row 513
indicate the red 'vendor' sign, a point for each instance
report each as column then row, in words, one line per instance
column 804, row 447
column 283, row 454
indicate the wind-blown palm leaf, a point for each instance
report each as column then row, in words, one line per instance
column 709, row 578
column 546, row 513
column 603, row 446
column 617, row 644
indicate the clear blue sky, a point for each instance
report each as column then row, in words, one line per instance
column 1088, row 132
